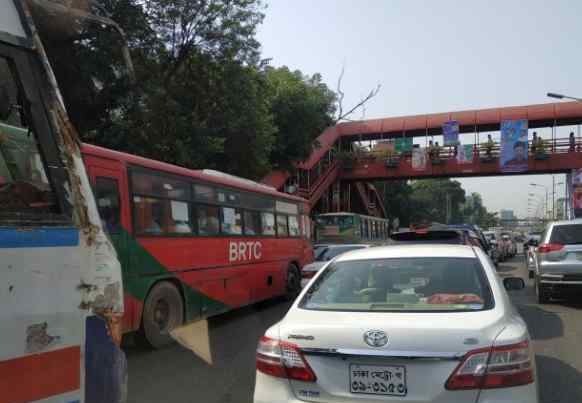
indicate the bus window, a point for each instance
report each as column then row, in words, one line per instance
column 293, row 226
column 158, row 185
column 146, row 221
column 154, row 212
column 204, row 193
column 179, row 222
column 107, row 195
column 24, row 186
column 282, row 226
column 231, row 221
column 252, row 223
column 268, row 223
column 208, row 220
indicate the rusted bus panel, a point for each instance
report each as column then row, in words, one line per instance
column 101, row 276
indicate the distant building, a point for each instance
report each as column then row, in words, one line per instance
column 506, row 215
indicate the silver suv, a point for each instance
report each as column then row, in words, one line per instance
column 558, row 260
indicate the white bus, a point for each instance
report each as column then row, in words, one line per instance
column 61, row 295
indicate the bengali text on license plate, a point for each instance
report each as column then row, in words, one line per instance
column 378, row 379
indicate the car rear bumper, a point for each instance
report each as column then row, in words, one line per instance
column 269, row 389
column 516, row 394
column 560, row 279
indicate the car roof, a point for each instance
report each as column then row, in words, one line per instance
column 412, row 250
column 341, row 245
column 568, row 222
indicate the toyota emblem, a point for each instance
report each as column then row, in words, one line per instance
column 376, row 338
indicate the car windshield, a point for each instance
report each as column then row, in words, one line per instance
column 401, row 284
column 333, row 251
column 567, row 234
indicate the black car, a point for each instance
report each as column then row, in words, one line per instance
column 431, row 235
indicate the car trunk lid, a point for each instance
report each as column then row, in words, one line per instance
column 423, row 350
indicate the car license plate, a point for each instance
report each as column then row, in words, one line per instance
column 378, row 379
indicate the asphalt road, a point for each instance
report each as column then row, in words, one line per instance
column 177, row 375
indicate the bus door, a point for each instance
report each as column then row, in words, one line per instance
column 110, row 190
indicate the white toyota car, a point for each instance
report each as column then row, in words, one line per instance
column 405, row 323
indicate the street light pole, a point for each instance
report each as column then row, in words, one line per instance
column 546, row 189
column 554, row 193
column 538, row 205
column 561, row 96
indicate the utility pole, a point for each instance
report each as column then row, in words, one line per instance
column 553, row 198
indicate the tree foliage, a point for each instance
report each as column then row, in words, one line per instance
column 434, row 200
column 202, row 98
column 437, row 200
column 302, row 107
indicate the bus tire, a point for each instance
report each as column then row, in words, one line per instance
column 293, row 282
column 163, row 311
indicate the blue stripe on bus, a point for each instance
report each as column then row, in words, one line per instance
column 38, row 237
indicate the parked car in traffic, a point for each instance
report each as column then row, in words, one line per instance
column 324, row 254
column 529, row 249
column 508, row 245
column 558, row 260
column 429, row 323
column 431, row 235
column 495, row 241
column 479, row 239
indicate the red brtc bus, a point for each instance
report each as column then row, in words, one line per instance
column 195, row 243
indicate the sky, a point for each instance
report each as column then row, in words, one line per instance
column 436, row 56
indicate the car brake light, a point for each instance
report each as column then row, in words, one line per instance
column 308, row 273
column 283, row 360
column 550, row 247
column 496, row 367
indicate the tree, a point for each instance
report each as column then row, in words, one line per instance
column 223, row 29
column 302, row 107
column 396, row 196
column 474, row 212
column 341, row 113
column 432, row 199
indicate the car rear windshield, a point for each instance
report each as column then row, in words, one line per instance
column 331, row 252
column 446, row 237
column 567, row 234
column 401, row 285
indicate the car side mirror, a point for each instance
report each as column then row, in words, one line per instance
column 513, row 283
column 5, row 104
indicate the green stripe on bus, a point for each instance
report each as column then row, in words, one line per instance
column 151, row 270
